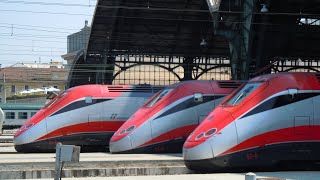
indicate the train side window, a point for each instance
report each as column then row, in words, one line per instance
column 88, row 99
column 33, row 113
column 198, row 97
column 22, row 115
column 10, row 115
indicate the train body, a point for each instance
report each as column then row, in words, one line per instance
column 16, row 114
column 271, row 119
column 84, row 115
column 166, row 120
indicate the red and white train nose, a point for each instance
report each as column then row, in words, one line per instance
column 210, row 140
column 128, row 137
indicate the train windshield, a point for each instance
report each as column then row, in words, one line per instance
column 244, row 92
column 55, row 99
column 158, row 97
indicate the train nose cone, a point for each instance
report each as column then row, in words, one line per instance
column 121, row 145
column 202, row 151
column 21, row 138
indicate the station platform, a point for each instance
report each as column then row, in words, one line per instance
column 300, row 175
column 103, row 165
column 41, row 165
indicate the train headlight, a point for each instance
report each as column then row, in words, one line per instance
column 199, row 136
column 211, row 132
column 123, row 131
column 130, row 129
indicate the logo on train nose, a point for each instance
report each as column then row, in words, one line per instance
column 26, row 127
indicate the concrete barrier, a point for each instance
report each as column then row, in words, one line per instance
column 93, row 169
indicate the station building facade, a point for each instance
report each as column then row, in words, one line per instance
column 18, row 78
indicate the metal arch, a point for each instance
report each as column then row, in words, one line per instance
column 207, row 70
column 122, row 69
column 294, row 68
column 74, row 65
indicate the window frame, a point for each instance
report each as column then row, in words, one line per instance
column 152, row 102
column 237, row 99
column 22, row 115
column 14, row 115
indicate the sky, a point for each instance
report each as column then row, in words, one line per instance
column 36, row 30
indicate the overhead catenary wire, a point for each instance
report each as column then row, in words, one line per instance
column 44, row 27
column 27, row 54
column 32, row 46
column 45, row 12
column 34, row 40
column 47, row 4
column 33, row 29
column 28, row 50
column 32, row 35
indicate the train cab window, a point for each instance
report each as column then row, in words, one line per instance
column 158, row 97
column 55, row 99
column 244, row 92
column 10, row 115
column 22, row 115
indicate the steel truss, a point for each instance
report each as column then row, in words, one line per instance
column 165, row 70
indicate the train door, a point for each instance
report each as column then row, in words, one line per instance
column 200, row 111
column 94, row 113
column 301, row 108
column 316, row 105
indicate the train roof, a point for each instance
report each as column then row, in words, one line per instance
column 21, row 106
column 123, row 88
column 268, row 77
column 220, row 83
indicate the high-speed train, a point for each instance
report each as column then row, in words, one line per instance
column 85, row 115
column 270, row 120
column 167, row 119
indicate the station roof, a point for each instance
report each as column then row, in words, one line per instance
column 289, row 28
column 154, row 27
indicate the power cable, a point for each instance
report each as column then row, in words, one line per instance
column 46, row 27
column 46, row 4
column 19, row 50
column 31, row 29
column 34, row 36
column 41, row 47
column 45, row 12
column 27, row 54
column 35, row 40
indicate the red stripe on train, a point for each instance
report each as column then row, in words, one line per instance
column 106, row 126
column 293, row 134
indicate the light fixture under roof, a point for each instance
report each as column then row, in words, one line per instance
column 203, row 42
column 264, row 8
